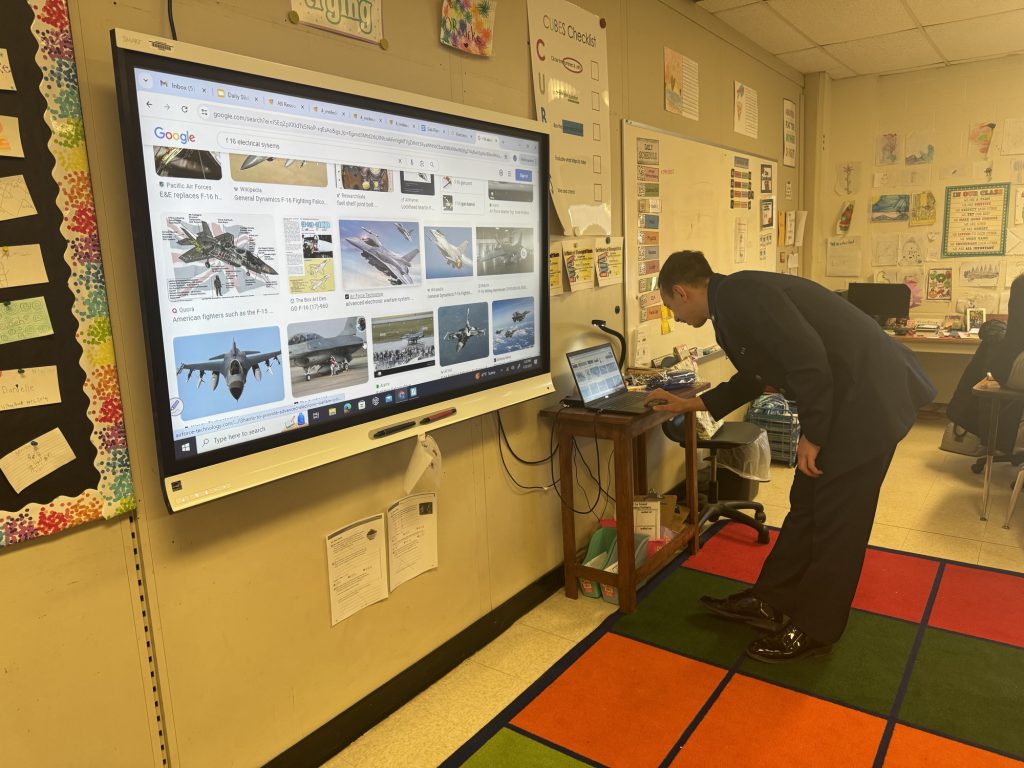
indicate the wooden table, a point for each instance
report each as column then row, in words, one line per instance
column 627, row 433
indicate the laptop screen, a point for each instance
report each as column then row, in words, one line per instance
column 596, row 372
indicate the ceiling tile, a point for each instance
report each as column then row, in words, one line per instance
column 987, row 36
column 930, row 12
column 714, row 6
column 886, row 53
column 765, row 28
column 810, row 60
column 832, row 21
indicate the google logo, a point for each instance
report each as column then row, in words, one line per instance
column 182, row 137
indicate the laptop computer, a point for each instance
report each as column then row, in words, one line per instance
column 600, row 381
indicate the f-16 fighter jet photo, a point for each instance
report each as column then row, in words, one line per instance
column 234, row 365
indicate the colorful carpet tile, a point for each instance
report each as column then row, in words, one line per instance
column 930, row 672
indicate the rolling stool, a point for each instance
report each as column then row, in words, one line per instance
column 732, row 434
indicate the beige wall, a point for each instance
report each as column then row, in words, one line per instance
column 946, row 101
column 247, row 661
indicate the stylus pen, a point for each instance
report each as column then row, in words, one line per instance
column 394, row 428
column 438, row 416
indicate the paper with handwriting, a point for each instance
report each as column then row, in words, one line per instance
column 36, row 459
column 21, row 265
column 6, row 73
column 28, row 387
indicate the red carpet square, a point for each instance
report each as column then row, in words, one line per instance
column 733, row 552
column 911, row 748
column 621, row 703
column 979, row 602
column 891, row 584
column 894, row 584
column 758, row 724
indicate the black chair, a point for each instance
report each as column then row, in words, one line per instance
column 732, row 434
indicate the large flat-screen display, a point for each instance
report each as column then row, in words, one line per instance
column 324, row 266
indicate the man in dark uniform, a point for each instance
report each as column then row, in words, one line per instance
column 857, row 392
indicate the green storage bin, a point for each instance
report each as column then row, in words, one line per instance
column 610, row 593
column 602, row 545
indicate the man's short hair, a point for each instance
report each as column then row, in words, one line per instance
column 684, row 268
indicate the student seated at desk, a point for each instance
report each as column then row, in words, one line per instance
column 1001, row 344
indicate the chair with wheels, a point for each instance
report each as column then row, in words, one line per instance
column 732, row 434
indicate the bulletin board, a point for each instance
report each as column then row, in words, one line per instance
column 682, row 194
column 90, row 476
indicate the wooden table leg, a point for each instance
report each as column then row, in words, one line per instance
column 624, row 522
column 568, row 516
column 691, row 479
column 990, row 449
column 640, row 465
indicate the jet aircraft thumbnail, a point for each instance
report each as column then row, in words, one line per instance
column 234, row 366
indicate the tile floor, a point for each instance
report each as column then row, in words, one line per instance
column 929, row 505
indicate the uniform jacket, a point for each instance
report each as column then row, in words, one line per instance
column 857, row 390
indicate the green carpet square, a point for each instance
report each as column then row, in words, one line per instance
column 969, row 689
column 508, row 749
column 863, row 670
column 670, row 617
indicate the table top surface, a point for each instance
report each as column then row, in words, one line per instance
column 990, row 388
column 910, row 338
column 638, row 421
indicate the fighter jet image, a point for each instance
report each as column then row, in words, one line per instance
column 453, row 254
column 508, row 333
column 251, row 160
column 461, row 335
column 187, row 163
column 311, row 351
column 406, row 232
column 319, row 283
column 394, row 267
column 206, row 247
column 518, row 317
column 414, row 338
column 507, row 255
column 234, row 365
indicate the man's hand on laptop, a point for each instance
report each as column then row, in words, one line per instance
column 660, row 400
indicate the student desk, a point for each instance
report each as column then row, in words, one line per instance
column 627, row 433
column 990, row 391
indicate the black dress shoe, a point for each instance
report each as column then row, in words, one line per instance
column 788, row 644
column 744, row 607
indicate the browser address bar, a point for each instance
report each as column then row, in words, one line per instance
column 332, row 131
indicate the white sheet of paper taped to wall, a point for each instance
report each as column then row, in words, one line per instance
column 15, row 199
column 424, row 465
column 21, row 265
column 36, row 459
column 28, row 387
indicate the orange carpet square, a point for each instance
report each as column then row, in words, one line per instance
column 911, row 748
column 622, row 703
column 756, row 723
